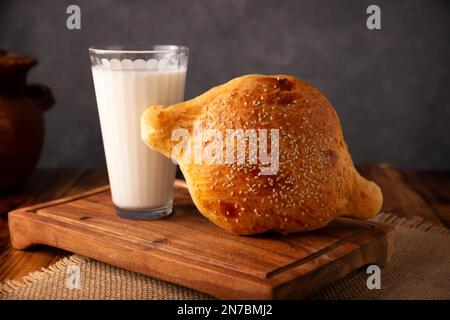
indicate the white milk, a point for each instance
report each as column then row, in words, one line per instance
column 140, row 178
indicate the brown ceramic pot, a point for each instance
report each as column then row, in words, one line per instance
column 21, row 120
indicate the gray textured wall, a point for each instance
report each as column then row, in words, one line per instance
column 390, row 87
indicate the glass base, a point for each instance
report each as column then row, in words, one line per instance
column 144, row 214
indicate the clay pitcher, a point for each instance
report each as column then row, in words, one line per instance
column 21, row 120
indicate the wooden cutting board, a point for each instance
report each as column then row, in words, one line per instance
column 185, row 248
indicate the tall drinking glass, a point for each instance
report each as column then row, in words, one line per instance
column 127, row 80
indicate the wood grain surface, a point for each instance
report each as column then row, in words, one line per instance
column 185, row 248
column 405, row 193
column 44, row 185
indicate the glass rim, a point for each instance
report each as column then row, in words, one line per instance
column 136, row 49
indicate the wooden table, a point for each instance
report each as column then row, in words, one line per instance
column 406, row 193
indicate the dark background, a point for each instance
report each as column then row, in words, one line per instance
column 391, row 87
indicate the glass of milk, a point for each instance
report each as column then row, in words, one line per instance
column 128, row 80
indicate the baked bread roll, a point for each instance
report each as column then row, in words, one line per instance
column 314, row 180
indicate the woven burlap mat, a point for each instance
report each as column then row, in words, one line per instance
column 420, row 269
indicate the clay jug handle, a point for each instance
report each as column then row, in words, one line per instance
column 41, row 95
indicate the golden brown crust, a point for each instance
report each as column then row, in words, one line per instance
column 316, row 180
